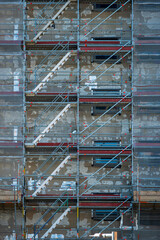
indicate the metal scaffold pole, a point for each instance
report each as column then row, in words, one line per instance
column 24, row 121
column 78, row 112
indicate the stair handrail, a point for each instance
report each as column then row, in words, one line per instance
column 51, row 11
column 45, row 58
column 99, row 14
column 57, row 210
column 44, row 20
column 50, row 105
column 129, row 198
column 113, row 221
column 86, row 137
column 103, row 176
column 108, row 17
column 64, row 152
column 127, row 95
column 51, row 155
column 48, row 4
column 47, row 116
column 64, row 47
column 127, row 43
column 106, row 164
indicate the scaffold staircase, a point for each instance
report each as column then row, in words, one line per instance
column 51, row 22
column 57, row 103
column 52, row 72
column 59, row 151
column 51, row 58
column 56, row 223
column 55, row 172
column 59, row 204
column 52, row 123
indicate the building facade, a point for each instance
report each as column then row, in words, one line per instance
column 80, row 118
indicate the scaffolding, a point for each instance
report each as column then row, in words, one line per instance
column 79, row 95
column 145, row 97
column 107, row 43
column 12, row 100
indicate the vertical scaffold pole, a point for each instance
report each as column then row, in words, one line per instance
column 24, row 121
column 78, row 93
